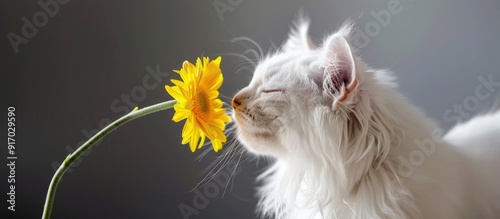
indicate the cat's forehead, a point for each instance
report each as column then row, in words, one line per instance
column 285, row 65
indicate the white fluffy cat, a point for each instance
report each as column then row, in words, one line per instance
column 347, row 145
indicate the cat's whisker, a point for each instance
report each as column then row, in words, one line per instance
column 243, row 57
column 273, row 47
column 210, row 175
column 213, row 165
column 242, row 63
column 222, row 162
column 244, row 68
column 210, row 167
column 232, row 174
column 205, row 152
column 253, row 52
column 247, row 39
column 233, row 145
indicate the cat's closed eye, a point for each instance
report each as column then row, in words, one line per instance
column 272, row 90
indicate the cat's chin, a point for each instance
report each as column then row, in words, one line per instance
column 261, row 143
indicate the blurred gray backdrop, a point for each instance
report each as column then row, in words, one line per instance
column 70, row 67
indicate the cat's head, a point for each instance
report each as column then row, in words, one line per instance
column 294, row 90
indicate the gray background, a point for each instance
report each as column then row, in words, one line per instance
column 65, row 79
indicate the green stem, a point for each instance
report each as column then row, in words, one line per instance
column 97, row 137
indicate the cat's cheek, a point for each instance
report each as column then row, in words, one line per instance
column 261, row 144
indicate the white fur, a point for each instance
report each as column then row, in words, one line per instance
column 370, row 155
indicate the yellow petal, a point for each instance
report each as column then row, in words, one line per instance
column 217, row 103
column 186, row 132
column 180, row 115
column 175, row 92
column 217, row 60
column 202, row 141
column 194, row 140
column 216, row 144
column 221, row 136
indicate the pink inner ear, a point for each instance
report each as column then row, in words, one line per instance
column 342, row 67
column 342, row 76
column 349, row 89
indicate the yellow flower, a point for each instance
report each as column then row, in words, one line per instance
column 198, row 102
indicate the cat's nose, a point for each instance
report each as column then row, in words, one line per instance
column 236, row 102
column 240, row 98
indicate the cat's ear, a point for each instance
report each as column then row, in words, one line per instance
column 298, row 38
column 340, row 76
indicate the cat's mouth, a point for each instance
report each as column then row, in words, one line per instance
column 243, row 115
column 248, row 126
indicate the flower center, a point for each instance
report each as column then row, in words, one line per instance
column 202, row 103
